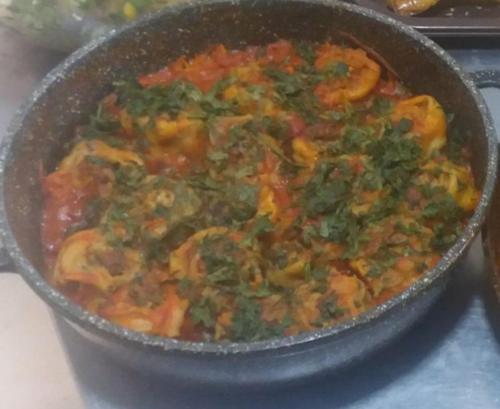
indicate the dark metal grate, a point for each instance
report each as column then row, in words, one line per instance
column 449, row 18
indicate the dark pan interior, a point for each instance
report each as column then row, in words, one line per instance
column 74, row 90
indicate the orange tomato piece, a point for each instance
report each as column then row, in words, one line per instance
column 428, row 120
column 362, row 77
column 130, row 316
column 283, row 52
column 65, row 199
column 204, row 70
column 169, row 316
column 352, row 294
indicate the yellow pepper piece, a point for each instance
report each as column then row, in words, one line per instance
column 129, row 11
column 304, row 152
column 101, row 150
column 186, row 133
column 428, row 119
column 267, row 205
column 363, row 75
column 457, row 180
column 231, row 92
column 77, row 261
column 289, row 276
column 468, row 196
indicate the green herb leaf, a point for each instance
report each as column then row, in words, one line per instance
column 322, row 194
column 382, row 106
column 444, row 236
column 444, row 208
column 336, row 70
column 102, row 125
column 247, row 324
column 329, row 309
column 262, row 225
column 306, row 51
column 203, row 313
column 217, row 156
column 296, row 92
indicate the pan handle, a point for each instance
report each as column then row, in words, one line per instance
column 6, row 263
column 489, row 79
column 486, row 78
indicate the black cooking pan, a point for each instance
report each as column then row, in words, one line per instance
column 37, row 139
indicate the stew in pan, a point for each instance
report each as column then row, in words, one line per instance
column 242, row 195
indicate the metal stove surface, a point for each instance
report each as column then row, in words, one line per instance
column 450, row 360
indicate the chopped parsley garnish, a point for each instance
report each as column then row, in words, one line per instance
column 171, row 99
column 262, row 225
column 247, row 323
column 329, row 309
column 444, row 208
column 203, row 313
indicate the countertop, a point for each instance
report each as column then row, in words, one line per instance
column 34, row 373
column 451, row 359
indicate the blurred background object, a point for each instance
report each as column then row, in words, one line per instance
column 410, row 7
column 413, row 7
column 67, row 24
